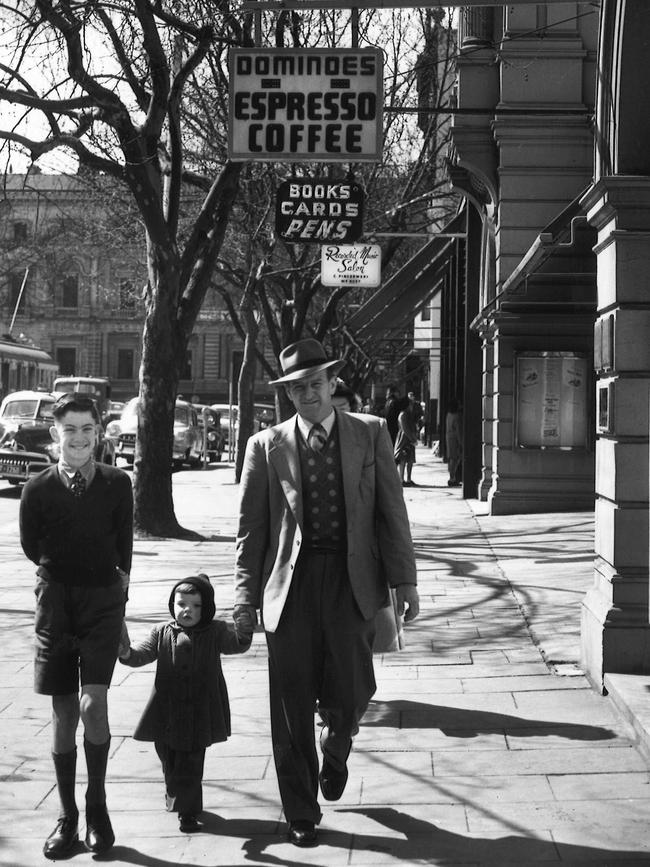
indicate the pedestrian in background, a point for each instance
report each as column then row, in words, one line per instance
column 454, row 443
column 416, row 409
column 391, row 412
column 323, row 532
column 76, row 525
column 405, row 442
column 345, row 398
column 188, row 709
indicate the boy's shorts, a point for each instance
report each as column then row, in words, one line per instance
column 77, row 635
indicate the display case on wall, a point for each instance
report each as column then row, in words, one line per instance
column 551, row 400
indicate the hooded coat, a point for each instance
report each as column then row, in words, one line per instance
column 188, row 708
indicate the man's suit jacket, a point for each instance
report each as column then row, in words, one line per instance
column 269, row 539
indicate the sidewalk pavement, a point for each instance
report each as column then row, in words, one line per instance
column 484, row 744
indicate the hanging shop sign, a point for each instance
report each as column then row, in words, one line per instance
column 350, row 265
column 311, row 209
column 305, row 104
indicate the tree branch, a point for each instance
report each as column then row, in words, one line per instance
column 141, row 94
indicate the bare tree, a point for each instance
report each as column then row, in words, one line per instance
column 137, row 90
column 108, row 84
column 288, row 298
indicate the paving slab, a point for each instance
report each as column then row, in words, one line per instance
column 484, row 744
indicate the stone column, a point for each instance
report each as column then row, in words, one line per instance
column 476, row 26
column 615, row 627
column 488, row 420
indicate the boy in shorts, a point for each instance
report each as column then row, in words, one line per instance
column 76, row 525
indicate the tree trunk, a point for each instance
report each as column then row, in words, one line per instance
column 162, row 351
column 284, row 409
column 246, row 391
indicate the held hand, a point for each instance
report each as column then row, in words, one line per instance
column 124, row 578
column 407, row 595
column 124, row 650
column 245, row 619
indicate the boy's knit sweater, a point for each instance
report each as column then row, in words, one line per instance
column 78, row 540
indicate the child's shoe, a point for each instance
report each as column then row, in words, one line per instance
column 188, row 823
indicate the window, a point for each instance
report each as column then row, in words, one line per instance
column 66, row 357
column 125, row 363
column 425, row 314
column 127, row 295
column 70, row 291
column 20, row 232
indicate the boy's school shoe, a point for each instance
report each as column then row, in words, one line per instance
column 63, row 839
column 99, row 831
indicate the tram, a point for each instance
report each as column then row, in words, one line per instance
column 25, row 367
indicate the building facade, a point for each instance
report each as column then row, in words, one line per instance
column 522, row 155
column 550, row 149
column 71, row 283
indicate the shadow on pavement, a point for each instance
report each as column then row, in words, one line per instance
column 12, row 493
column 419, row 842
column 464, row 723
column 424, row 842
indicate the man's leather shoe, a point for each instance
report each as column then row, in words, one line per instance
column 188, row 823
column 332, row 782
column 302, row 833
column 62, row 839
column 99, row 831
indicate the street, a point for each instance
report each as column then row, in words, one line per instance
column 484, row 744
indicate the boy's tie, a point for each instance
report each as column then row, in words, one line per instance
column 317, row 438
column 78, row 484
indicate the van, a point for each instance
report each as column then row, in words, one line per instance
column 97, row 387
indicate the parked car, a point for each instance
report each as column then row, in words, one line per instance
column 188, row 439
column 264, row 416
column 114, row 411
column 26, row 446
column 212, row 436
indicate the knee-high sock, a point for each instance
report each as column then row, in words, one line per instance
column 96, row 761
column 65, row 768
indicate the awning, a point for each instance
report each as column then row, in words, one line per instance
column 410, row 288
column 557, row 271
column 569, row 231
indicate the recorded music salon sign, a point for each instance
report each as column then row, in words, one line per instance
column 306, row 104
column 350, row 265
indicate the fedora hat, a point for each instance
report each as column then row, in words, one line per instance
column 303, row 358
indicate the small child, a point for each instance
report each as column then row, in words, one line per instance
column 188, row 708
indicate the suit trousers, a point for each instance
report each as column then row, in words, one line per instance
column 320, row 656
column 183, row 773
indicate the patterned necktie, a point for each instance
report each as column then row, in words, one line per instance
column 317, row 438
column 78, row 484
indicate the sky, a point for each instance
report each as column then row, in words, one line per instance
column 12, row 159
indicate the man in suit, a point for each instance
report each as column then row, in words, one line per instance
column 323, row 533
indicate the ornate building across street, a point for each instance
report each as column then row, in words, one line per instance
column 71, row 284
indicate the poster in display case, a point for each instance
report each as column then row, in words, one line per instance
column 551, row 400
